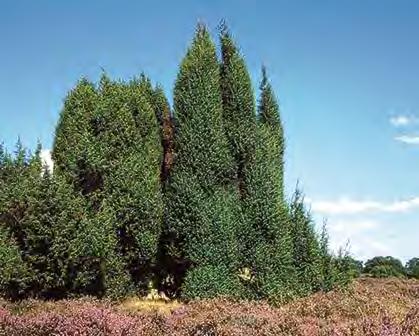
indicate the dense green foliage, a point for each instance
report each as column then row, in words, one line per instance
column 354, row 267
column 384, row 267
column 412, row 268
column 118, row 172
column 192, row 203
column 306, row 246
column 239, row 117
column 239, row 121
column 270, row 249
column 202, row 201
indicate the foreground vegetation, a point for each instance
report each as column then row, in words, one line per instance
column 369, row 307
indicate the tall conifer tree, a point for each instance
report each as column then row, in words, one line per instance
column 239, row 115
column 239, row 118
column 271, row 253
column 201, row 200
column 306, row 246
column 115, row 164
column 79, row 158
column 73, row 147
column 132, row 148
column 14, row 274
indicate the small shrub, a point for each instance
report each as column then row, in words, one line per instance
column 384, row 271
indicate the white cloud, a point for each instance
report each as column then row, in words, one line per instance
column 47, row 159
column 402, row 120
column 368, row 246
column 348, row 206
column 353, row 227
column 367, row 237
column 408, row 139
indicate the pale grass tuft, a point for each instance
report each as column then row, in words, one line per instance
column 152, row 302
column 136, row 304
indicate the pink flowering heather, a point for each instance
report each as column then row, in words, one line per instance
column 369, row 308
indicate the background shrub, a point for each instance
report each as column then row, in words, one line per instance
column 383, row 266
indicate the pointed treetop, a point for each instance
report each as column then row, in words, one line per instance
column 144, row 79
column 268, row 104
column 160, row 96
column 202, row 35
column 229, row 49
column 38, row 148
column 200, row 59
column 20, row 152
column 104, row 80
column 2, row 154
column 239, row 115
column 201, row 28
column 264, row 81
column 223, row 28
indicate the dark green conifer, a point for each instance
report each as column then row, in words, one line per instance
column 79, row 157
column 21, row 177
column 194, row 200
column 239, row 115
column 73, row 147
column 270, row 122
column 306, row 247
column 202, row 202
column 270, row 253
column 13, row 271
column 328, row 270
column 134, row 154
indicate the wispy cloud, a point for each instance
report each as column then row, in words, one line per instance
column 402, row 120
column 348, row 206
column 408, row 139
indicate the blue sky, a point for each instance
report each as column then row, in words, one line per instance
column 346, row 74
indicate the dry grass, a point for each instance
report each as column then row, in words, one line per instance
column 159, row 306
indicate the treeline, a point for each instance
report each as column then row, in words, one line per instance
column 385, row 267
column 190, row 201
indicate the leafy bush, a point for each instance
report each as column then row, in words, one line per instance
column 384, row 271
column 384, row 266
column 412, row 268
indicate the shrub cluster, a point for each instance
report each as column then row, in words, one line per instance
column 190, row 201
column 384, row 267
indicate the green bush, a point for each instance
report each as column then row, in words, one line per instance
column 391, row 266
column 412, row 268
column 384, row 271
column 13, row 271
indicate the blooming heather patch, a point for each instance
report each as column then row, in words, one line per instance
column 370, row 307
column 81, row 318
